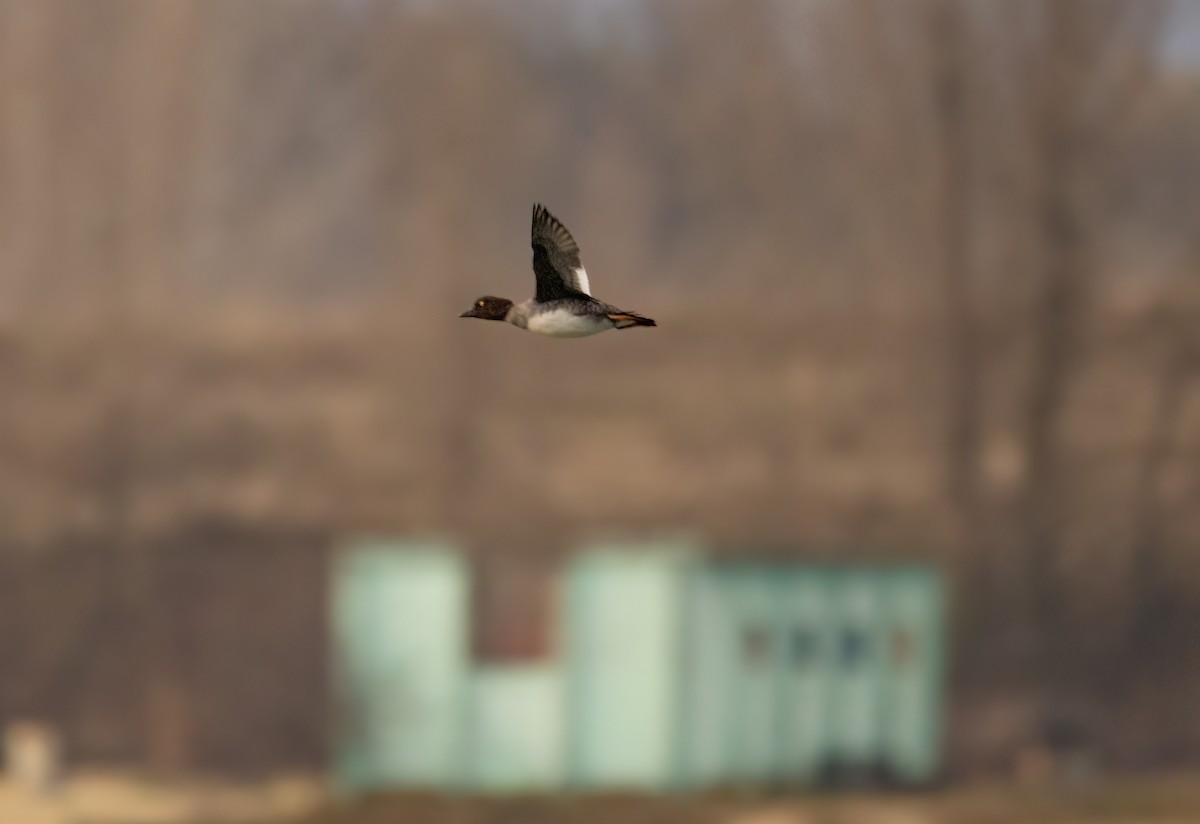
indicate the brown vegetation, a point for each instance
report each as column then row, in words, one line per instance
column 925, row 273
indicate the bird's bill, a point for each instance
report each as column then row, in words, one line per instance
column 470, row 313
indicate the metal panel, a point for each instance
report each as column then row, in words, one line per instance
column 516, row 735
column 624, row 642
column 710, row 656
column 857, row 709
column 809, row 628
column 399, row 632
column 913, row 684
column 752, row 734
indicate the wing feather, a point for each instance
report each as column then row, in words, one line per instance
column 556, row 263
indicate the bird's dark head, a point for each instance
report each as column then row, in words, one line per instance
column 489, row 308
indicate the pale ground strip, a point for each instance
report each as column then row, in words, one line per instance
column 89, row 797
column 106, row 797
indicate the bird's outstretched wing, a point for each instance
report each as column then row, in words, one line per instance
column 556, row 264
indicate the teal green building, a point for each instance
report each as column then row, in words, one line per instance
column 672, row 672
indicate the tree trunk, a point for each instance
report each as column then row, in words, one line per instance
column 963, row 367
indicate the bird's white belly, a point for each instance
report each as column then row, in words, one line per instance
column 562, row 324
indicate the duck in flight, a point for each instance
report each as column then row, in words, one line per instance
column 563, row 305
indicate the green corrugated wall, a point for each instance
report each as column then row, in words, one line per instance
column 674, row 673
column 809, row 627
column 624, row 633
column 516, row 740
column 400, row 625
column 913, row 697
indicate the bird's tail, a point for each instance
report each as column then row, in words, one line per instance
column 624, row 320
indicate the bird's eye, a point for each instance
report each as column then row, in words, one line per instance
column 480, row 303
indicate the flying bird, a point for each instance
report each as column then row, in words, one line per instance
column 563, row 305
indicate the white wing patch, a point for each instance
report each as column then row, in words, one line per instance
column 581, row 281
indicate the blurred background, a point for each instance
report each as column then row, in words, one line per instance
column 927, row 279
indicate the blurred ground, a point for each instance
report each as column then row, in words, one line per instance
column 111, row 797
column 1170, row 800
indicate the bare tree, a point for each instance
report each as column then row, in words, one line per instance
column 950, row 26
column 1148, row 584
column 1075, row 86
